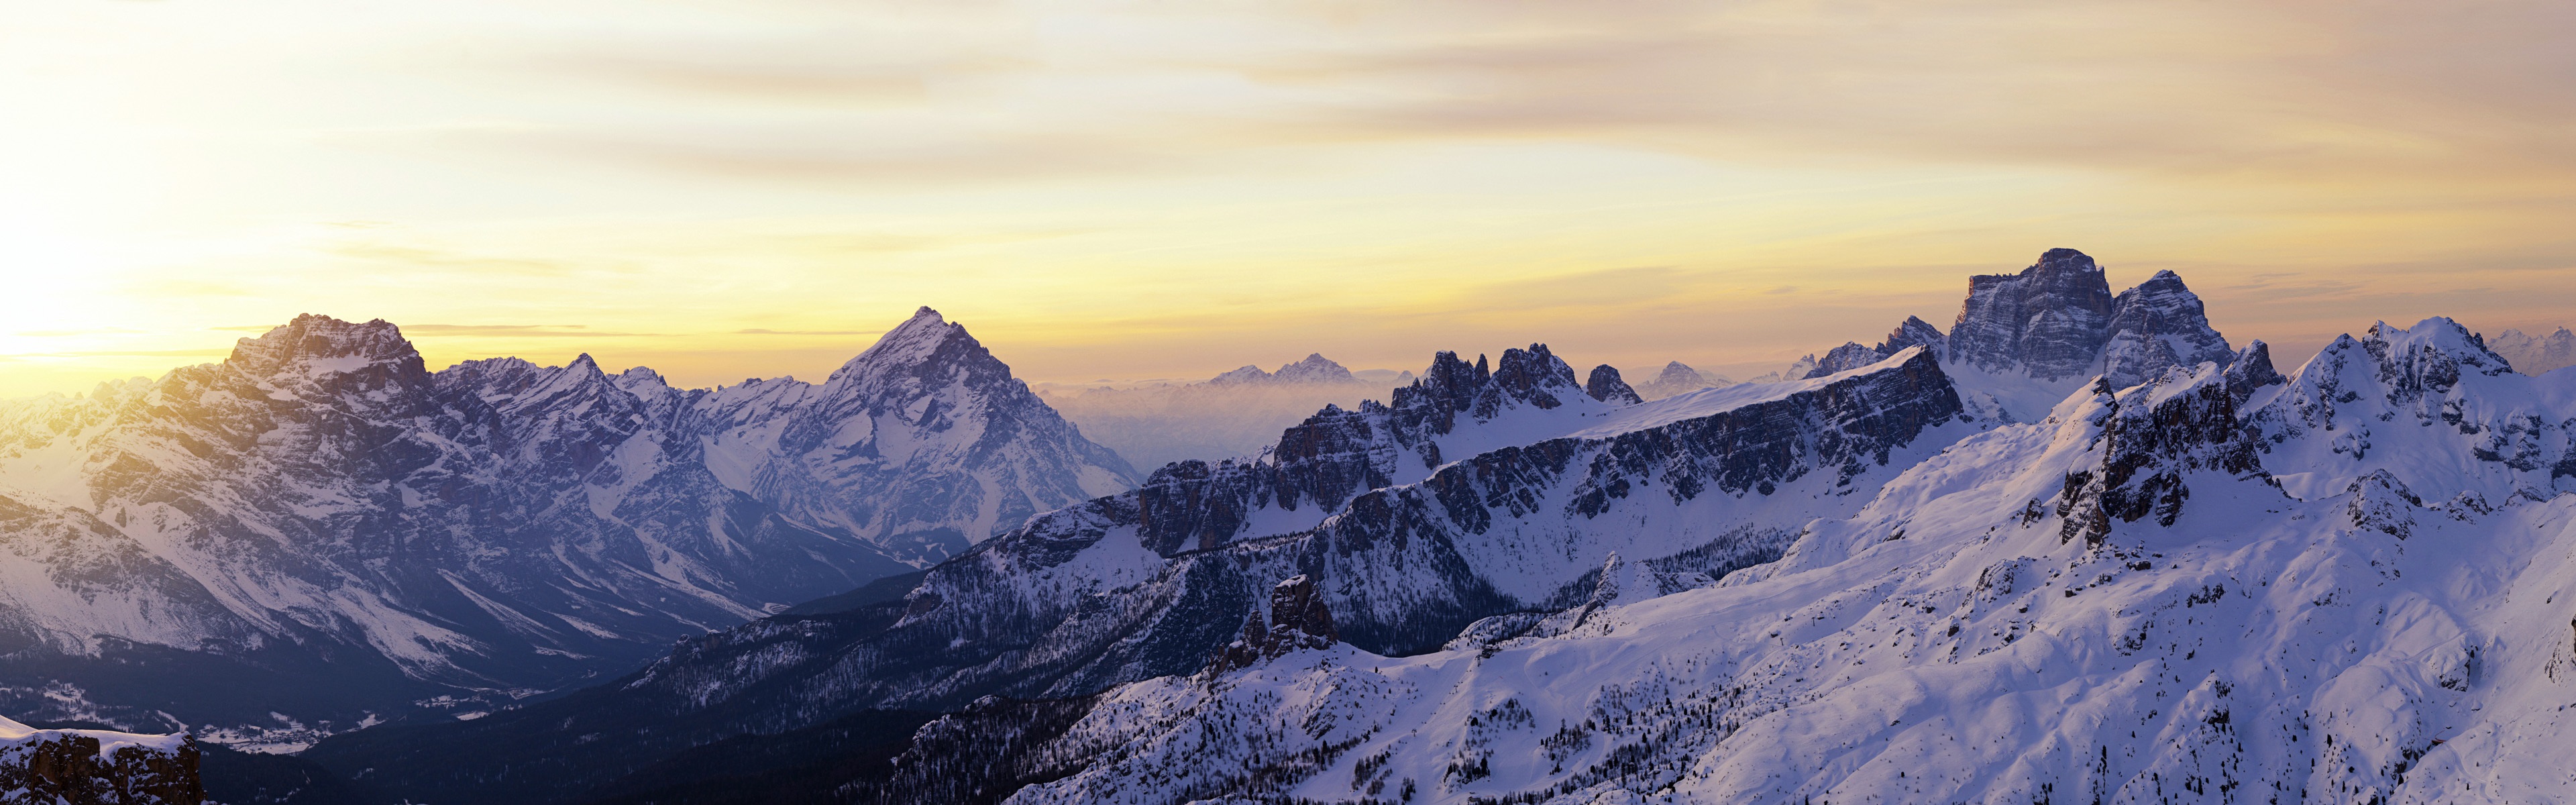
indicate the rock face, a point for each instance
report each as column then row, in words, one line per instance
column 1156, row 581
column 94, row 767
column 2050, row 320
column 321, row 527
column 2533, row 355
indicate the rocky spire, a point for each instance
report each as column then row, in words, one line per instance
column 1605, row 385
column 1914, row 332
column 1532, row 376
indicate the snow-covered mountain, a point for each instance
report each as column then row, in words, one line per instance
column 1474, row 495
column 319, row 527
column 2533, row 355
column 1964, row 567
column 1677, row 377
column 1315, row 368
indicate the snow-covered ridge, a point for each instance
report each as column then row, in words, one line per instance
column 2221, row 586
column 1711, row 401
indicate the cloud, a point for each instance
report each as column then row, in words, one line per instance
column 521, row 331
column 733, row 78
column 68, row 333
column 448, row 260
column 125, row 353
column 762, row 331
column 826, row 156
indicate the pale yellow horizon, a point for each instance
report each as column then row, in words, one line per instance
column 1127, row 190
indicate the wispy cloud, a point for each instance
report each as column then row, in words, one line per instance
column 448, row 260
column 522, row 331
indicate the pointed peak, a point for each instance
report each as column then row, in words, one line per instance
column 584, row 363
column 1314, row 368
column 914, row 341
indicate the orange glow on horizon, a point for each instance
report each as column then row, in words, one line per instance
column 723, row 191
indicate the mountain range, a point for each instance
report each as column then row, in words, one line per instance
column 1136, row 648
column 2077, row 547
column 319, row 533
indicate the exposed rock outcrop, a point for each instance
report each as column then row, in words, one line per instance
column 96, row 767
column 1298, row 619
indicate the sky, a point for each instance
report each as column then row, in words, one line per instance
column 1112, row 190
